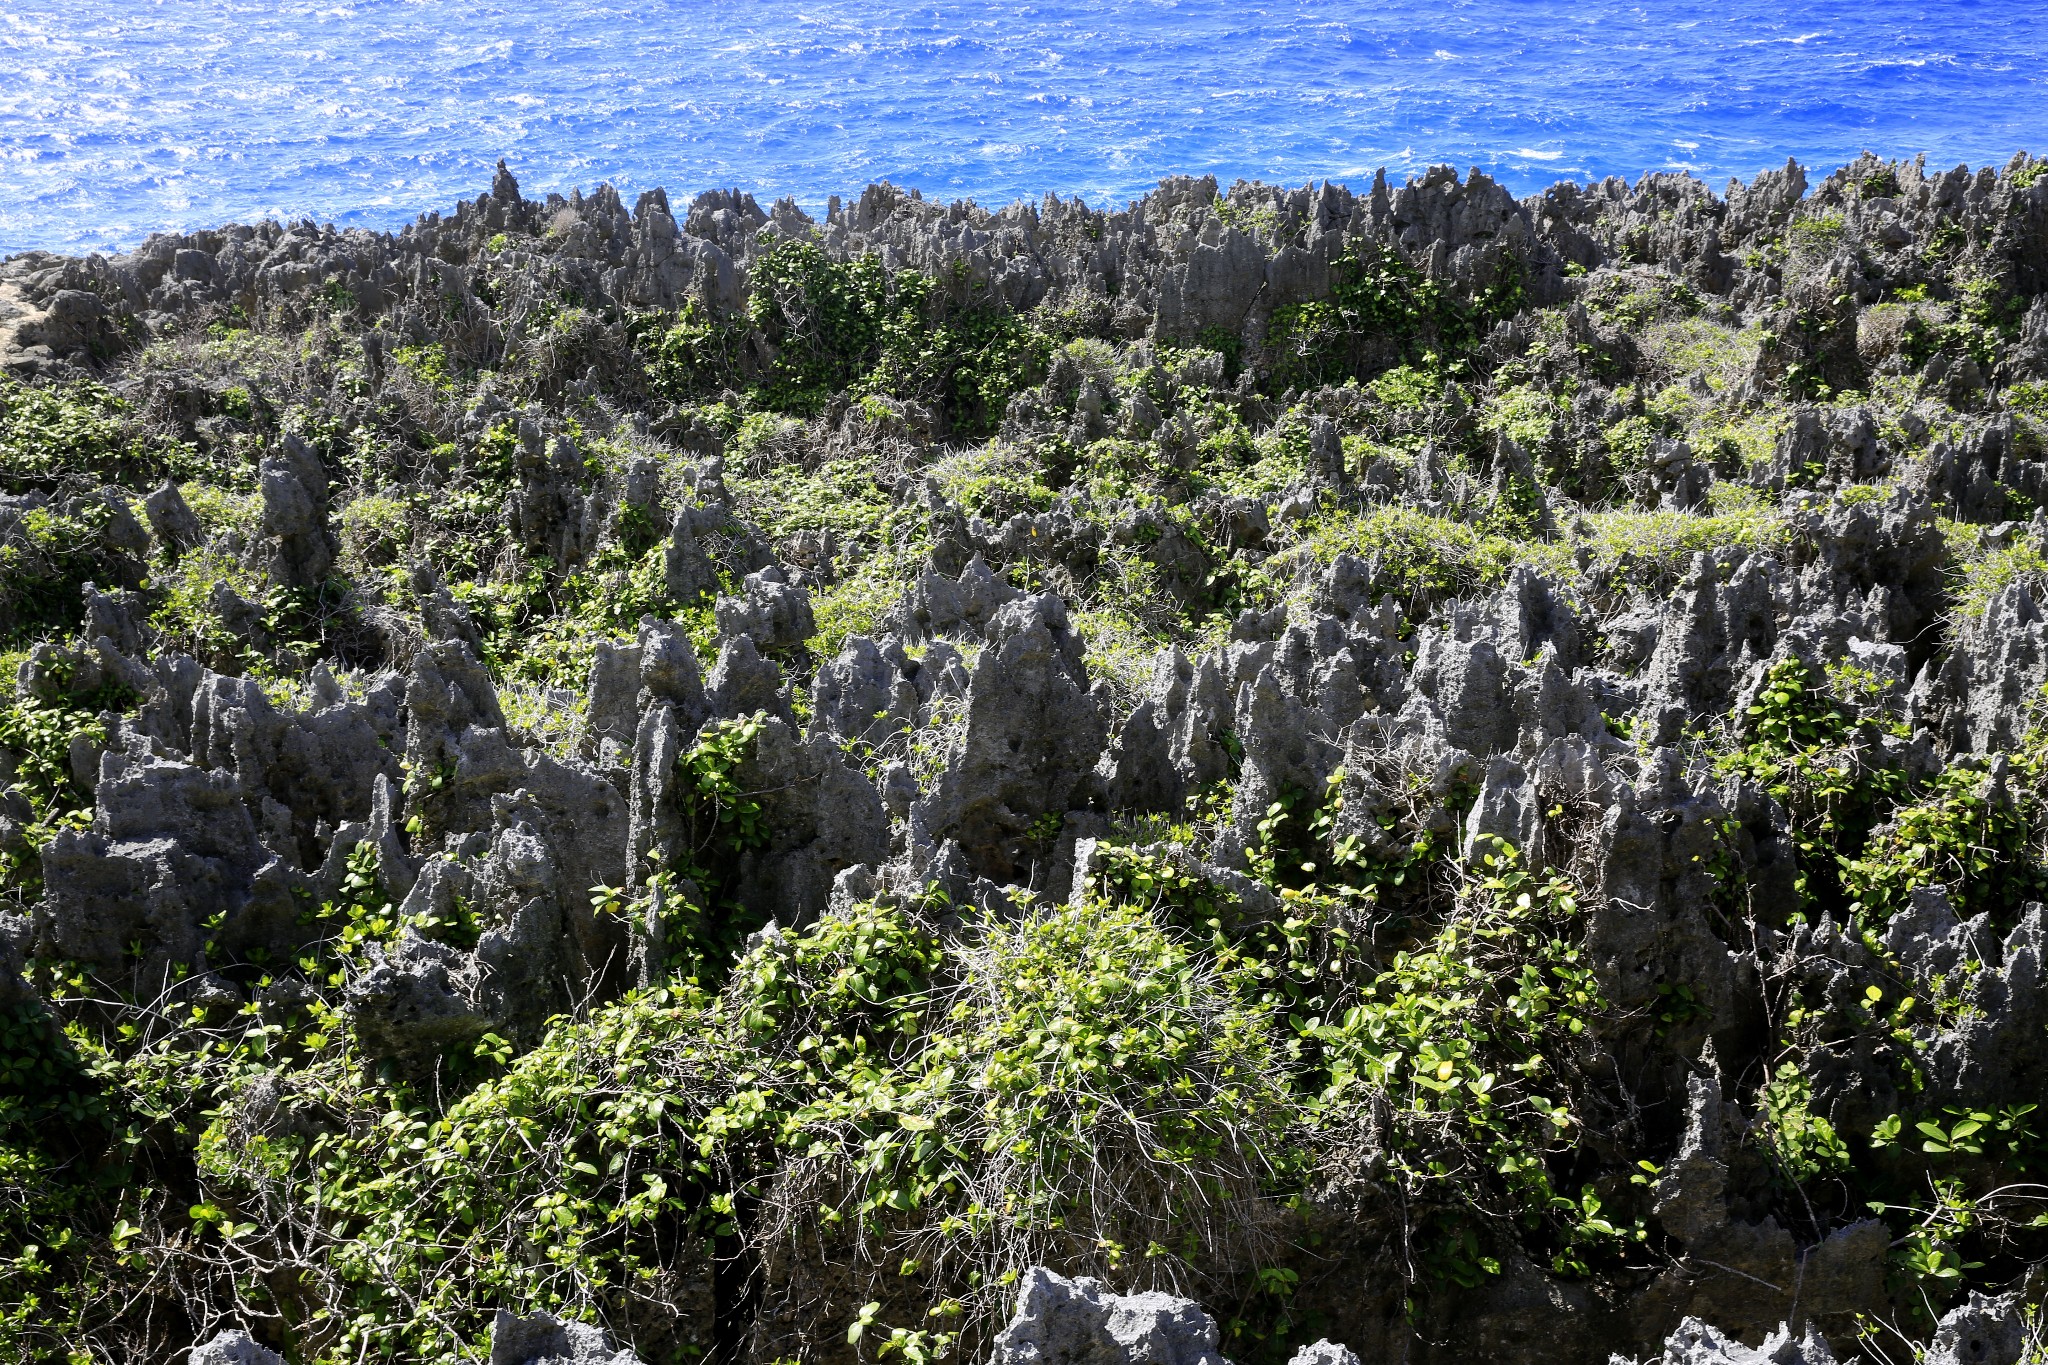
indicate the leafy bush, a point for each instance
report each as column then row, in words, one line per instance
column 1977, row 838
column 830, row 326
column 1384, row 311
column 1807, row 751
column 47, row 556
column 1474, row 1039
column 1422, row 558
column 78, row 435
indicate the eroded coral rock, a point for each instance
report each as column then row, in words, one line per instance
column 1696, row 1343
column 232, row 1346
column 1034, row 734
column 544, row 1339
column 171, row 846
column 1059, row 1321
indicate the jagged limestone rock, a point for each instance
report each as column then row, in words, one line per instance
column 1137, row 771
column 544, row 1339
column 774, row 612
column 743, row 683
column 443, row 616
column 1058, row 1321
column 669, row 672
column 171, row 846
column 1998, row 1053
column 688, row 572
column 1696, row 1343
column 955, row 608
column 298, row 771
column 547, row 512
column 611, row 710
column 1982, row 1330
column 232, row 1346
column 1285, row 753
column 866, row 693
column 295, row 497
column 1324, row 1352
column 171, row 520
column 1034, row 734
column 1562, row 681
column 822, row 816
column 416, row 999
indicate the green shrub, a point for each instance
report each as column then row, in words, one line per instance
column 1471, row 1040
column 46, row 559
column 1074, row 1078
column 1422, row 558
column 1964, row 834
column 375, row 530
column 1807, row 751
column 832, row 326
column 79, row 435
column 1383, row 311
column 1981, row 572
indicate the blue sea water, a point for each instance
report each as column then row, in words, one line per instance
column 119, row 117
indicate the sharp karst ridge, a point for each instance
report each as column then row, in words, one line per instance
column 1606, row 620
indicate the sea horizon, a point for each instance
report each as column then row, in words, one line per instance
column 119, row 118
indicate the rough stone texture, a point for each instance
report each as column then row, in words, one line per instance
column 417, row 997
column 1654, row 885
column 1982, row 1331
column 773, row 611
column 1325, row 1353
column 1989, row 683
column 295, row 495
column 1059, row 1321
column 300, row 771
column 1696, row 1343
column 170, row 845
column 171, row 521
column 233, row 1346
column 611, row 713
column 1284, row 751
column 443, row 616
column 688, row 572
column 866, row 693
column 669, row 672
column 823, row 817
column 1033, row 737
column 1137, row 771
column 1179, row 268
column 744, row 683
column 547, row 513
column 956, row 608
column 2001, row 1054
column 544, row 1339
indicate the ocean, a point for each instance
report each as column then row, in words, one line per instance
column 122, row 117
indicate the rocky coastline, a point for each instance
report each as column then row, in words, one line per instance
column 1461, row 776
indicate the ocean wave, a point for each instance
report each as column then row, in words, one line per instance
column 367, row 111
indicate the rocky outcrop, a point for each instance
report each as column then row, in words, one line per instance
column 1325, row 562
column 1984, row 1330
column 295, row 499
column 1059, row 1321
column 172, row 868
column 1696, row 1343
column 544, row 1339
column 822, row 816
column 1033, row 736
column 233, row 1347
column 774, row 613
